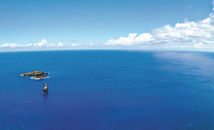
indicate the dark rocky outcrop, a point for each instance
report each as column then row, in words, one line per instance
column 37, row 75
column 45, row 89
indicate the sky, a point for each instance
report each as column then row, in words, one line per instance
column 106, row 24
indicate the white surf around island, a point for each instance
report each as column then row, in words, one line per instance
column 36, row 78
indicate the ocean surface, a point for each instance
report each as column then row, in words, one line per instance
column 108, row 90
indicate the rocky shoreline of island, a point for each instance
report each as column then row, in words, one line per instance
column 36, row 75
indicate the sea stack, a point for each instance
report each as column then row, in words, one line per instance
column 45, row 89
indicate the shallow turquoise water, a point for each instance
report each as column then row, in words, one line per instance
column 108, row 90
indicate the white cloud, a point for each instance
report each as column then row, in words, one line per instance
column 123, row 40
column 8, row 45
column 42, row 44
column 145, row 37
column 188, row 34
column 131, row 39
column 74, row 45
column 60, row 44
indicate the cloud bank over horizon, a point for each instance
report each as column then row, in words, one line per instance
column 189, row 35
column 43, row 44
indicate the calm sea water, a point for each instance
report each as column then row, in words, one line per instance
column 108, row 90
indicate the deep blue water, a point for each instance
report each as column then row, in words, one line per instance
column 108, row 90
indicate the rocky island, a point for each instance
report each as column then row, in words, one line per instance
column 45, row 89
column 36, row 75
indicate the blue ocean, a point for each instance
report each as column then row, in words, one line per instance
column 107, row 90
